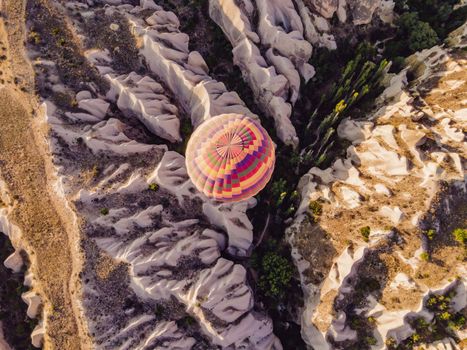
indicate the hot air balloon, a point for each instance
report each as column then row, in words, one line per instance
column 230, row 157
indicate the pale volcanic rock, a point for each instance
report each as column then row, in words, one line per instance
column 361, row 12
column 402, row 281
column 164, row 266
column 393, row 324
column 395, row 215
column 325, row 8
column 392, row 175
column 170, row 241
column 316, row 325
column 274, row 77
column 34, row 302
column 144, row 97
column 444, row 344
column 14, row 262
column 96, row 107
column 340, row 331
column 165, row 49
column 37, row 335
column 165, row 335
column 171, row 174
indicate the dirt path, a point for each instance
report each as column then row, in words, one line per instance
column 48, row 228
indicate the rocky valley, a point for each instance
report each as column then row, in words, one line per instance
column 358, row 241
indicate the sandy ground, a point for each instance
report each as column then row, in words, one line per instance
column 47, row 225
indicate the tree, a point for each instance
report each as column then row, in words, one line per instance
column 422, row 37
column 276, row 273
column 407, row 22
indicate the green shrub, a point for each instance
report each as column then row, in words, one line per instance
column 422, row 37
column 412, row 35
column 159, row 310
column 371, row 340
column 430, row 234
column 390, row 342
column 438, row 303
column 276, row 273
column 439, row 14
column 359, row 78
column 316, row 208
column 153, row 187
column 35, row 37
column 369, row 285
column 445, row 316
column 425, row 256
column 186, row 129
column 365, row 232
column 398, row 63
column 279, row 192
column 104, row 211
column 415, row 337
column 421, row 323
column 278, row 187
column 186, row 322
column 458, row 322
column 290, row 211
column 460, row 235
column 407, row 21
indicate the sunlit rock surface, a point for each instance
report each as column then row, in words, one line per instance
column 273, row 76
column 164, row 267
column 409, row 150
column 183, row 71
column 156, row 255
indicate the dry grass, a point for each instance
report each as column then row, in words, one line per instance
column 46, row 225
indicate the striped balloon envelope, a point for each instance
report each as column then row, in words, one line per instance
column 230, row 157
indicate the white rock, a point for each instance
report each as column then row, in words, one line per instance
column 34, row 302
column 394, row 214
column 165, row 49
column 14, row 262
column 97, row 107
column 274, row 77
column 381, row 189
column 83, row 95
column 114, row 26
column 340, row 331
column 37, row 335
column 144, row 97
column 402, row 281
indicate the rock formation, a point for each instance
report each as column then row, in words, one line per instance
column 407, row 151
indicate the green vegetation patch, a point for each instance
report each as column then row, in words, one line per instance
column 153, row 187
column 444, row 324
column 365, row 232
column 422, row 24
column 425, row 256
column 460, row 235
column 357, row 84
column 275, row 275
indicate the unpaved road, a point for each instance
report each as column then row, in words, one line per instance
column 49, row 233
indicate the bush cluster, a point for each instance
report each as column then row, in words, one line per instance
column 276, row 273
column 460, row 235
column 443, row 325
column 365, row 232
column 358, row 80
